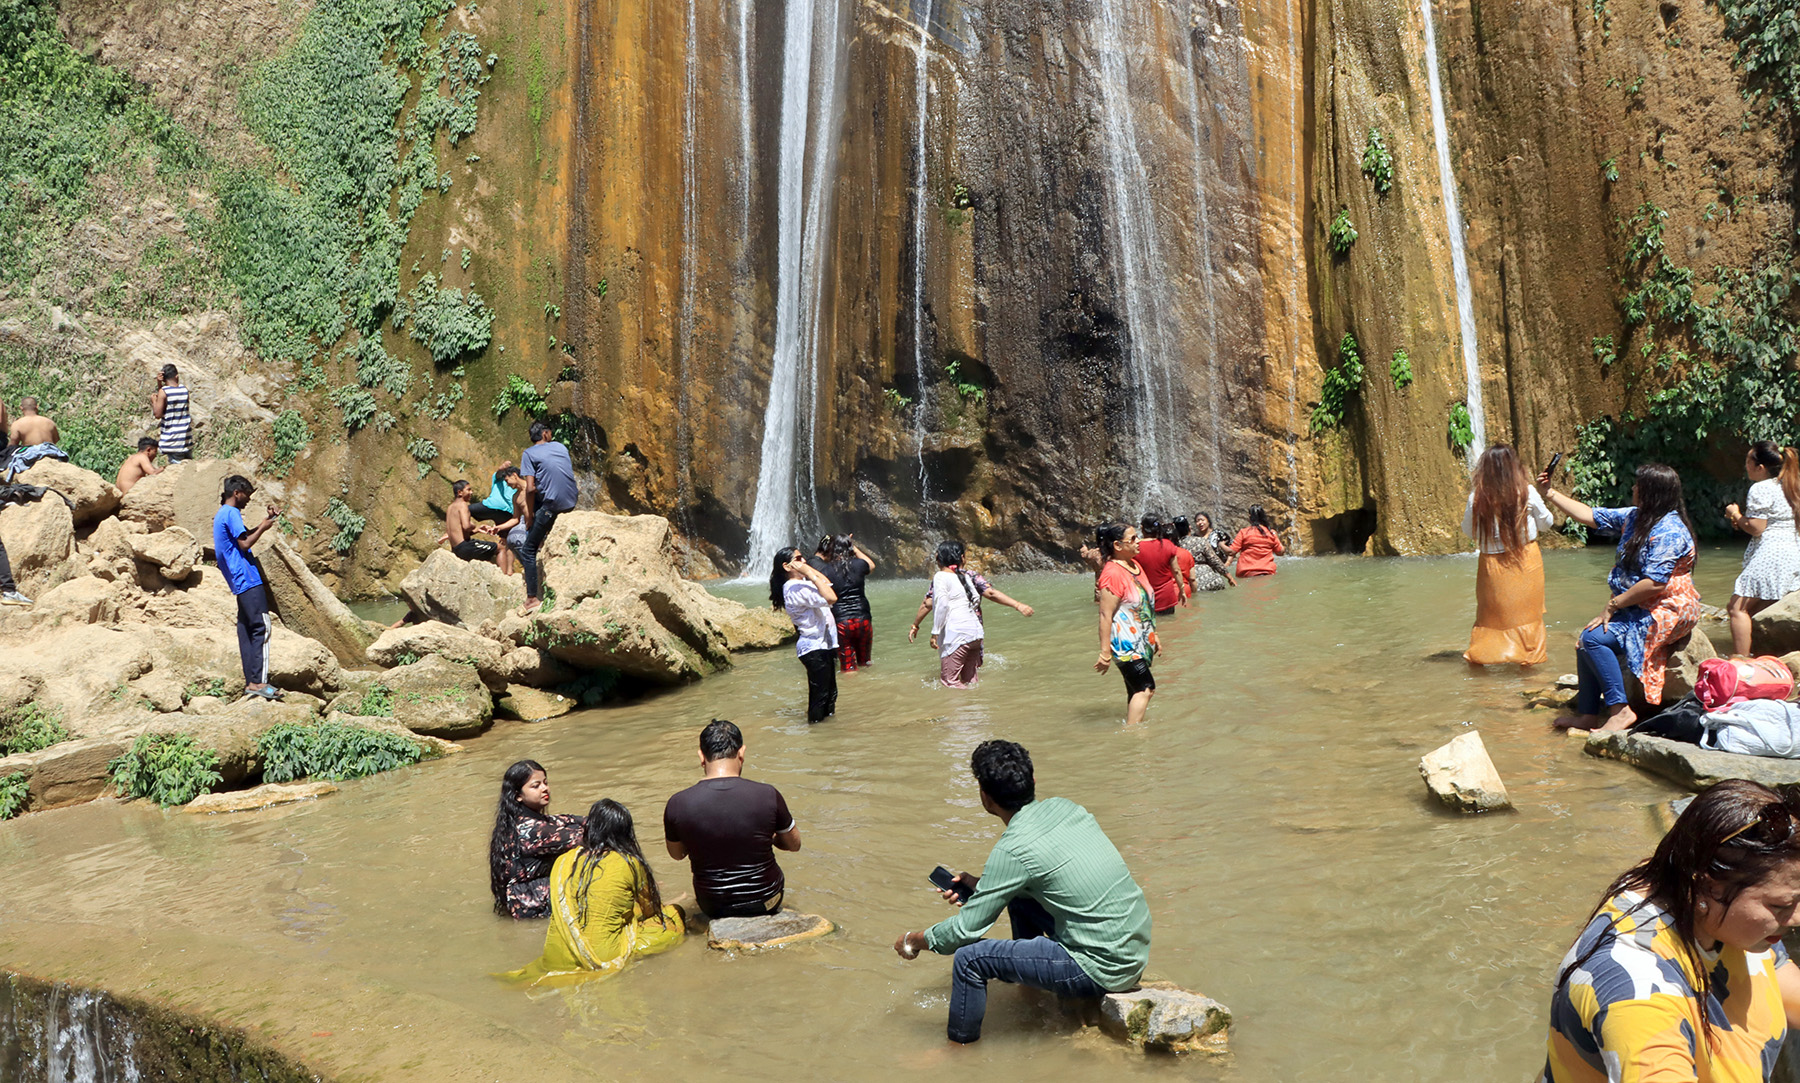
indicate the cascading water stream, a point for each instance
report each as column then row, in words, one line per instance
column 1298, row 267
column 784, row 483
column 1206, row 269
column 921, row 180
column 1459, row 261
column 685, row 369
column 1149, row 360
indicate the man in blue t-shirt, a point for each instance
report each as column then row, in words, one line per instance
column 549, row 477
column 231, row 544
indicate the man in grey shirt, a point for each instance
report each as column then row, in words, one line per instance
column 549, row 477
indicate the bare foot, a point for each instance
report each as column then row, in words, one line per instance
column 1618, row 719
column 1577, row 722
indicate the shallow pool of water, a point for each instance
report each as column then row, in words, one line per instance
column 1270, row 807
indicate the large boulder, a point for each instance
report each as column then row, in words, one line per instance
column 411, row 642
column 1462, row 776
column 532, row 704
column 39, row 538
column 1690, row 766
column 528, row 665
column 299, row 664
column 93, row 496
column 66, row 773
column 268, row 795
column 173, row 553
column 1680, row 672
column 745, row 628
column 86, row 600
column 1159, row 1017
column 1776, row 630
column 203, row 600
column 306, row 605
column 449, row 589
column 439, row 698
column 620, row 633
column 187, row 495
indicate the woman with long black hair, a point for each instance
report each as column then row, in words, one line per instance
column 847, row 566
column 1653, row 603
column 1257, row 545
column 525, row 841
column 804, row 592
column 1127, row 617
column 1680, row 973
column 1504, row 516
column 604, row 904
column 954, row 600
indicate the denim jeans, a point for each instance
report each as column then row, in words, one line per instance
column 542, row 520
column 1600, row 678
column 1030, row 958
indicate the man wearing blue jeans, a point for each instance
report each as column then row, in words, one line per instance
column 1080, row 925
column 549, row 477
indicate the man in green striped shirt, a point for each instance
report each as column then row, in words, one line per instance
column 1080, row 925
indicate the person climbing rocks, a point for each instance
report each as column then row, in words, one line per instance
column 9, row 590
column 169, row 405
column 139, row 466
column 549, row 479
column 460, row 527
column 232, row 542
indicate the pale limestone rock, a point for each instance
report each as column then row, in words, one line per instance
column 771, row 931
column 1776, row 630
column 173, row 552
column 87, row 600
column 160, row 690
column 1159, row 1017
column 203, row 600
column 306, row 605
column 67, row 773
column 455, row 591
column 1680, row 672
column 1463, row 777
column 410, row 642
column 532, row 704
column 187, row 495
column 528, row 665
column 440, row 698
column 39, row 538
column 302, row 665
column 268, row 795
column 94, row 497
column 1691, row 766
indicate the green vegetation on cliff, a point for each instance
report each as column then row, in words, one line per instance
column 30, row 727
column 1341, row 381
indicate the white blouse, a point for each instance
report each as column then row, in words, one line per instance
column 1537, row 517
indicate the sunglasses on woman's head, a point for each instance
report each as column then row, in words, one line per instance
column 1773, row 826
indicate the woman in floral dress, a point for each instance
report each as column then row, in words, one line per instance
column 526, row 841
column 1127, row 617
column 1772, row 559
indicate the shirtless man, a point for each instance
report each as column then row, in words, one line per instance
column 138, row 467
column 460, row 526
column 32, row 427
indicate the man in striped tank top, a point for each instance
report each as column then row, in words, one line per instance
column 170, row 406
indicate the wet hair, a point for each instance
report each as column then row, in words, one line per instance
column 506, row 825
column 1003, row 771
column 609, row 830
column 457, row 488
column 169, row 373
column 1658, row 494
column 720, row 740
column 538, row 430
column 507, row 472
column 1736, row 834
column 1150, row 526
column 1109, row 536
column 1782, row 462
column 148, row 443
column 1499, row 507
column 235, row 484
column 1179, row 528
column 1259, row 517
column 778, row 575
column 950, row 554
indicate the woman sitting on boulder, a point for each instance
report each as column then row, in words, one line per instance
column 526, row 840
column 1654, row 604
column 604, row 905
column 1680, row 973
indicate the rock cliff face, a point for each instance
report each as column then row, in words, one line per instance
column 1023, row 265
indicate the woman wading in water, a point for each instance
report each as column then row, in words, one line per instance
column 1680, row 973
column 526, row 840
column 1504, row 516
column 1257, row 545
column 806, row 595
column 1653, row 604
column 1127, row 617
column 1772, row 559
column 954, row 600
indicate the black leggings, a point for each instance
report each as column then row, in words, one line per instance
column 821, row 683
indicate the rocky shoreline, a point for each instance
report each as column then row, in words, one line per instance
column 134, row 633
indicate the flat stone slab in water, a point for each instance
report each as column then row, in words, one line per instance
column 1162, row 1018
column 1688, row 765
column 771, row 931
column 265, row 796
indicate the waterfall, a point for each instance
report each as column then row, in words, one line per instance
column 1149, row 362
column 1459, row 260
column 1299, row 268
column 784, row 483
column 685, row 369
column 1206, row 269
column 921, row 182
column 74, row 1038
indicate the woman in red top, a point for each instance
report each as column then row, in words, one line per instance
column 1161, row 561
column 1256, row 545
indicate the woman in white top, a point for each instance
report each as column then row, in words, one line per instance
column 1504, row 516
column 1772, row 560
column 806, row 594
column 954, row 601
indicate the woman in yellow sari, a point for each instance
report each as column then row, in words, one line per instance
column 604, row 905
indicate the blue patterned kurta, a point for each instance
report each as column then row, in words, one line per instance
column 1667, row 554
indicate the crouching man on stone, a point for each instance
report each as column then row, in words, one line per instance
column 728, row 828
column 1080, row 925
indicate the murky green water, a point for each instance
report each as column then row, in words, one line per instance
column 1270, row 807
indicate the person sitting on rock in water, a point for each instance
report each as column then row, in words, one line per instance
column 1080, row 925
column 232, row 542
column 526, row 840
column 549, row 478
column 728, row 828
column 169, row 405
column 138, row 467
column 604, row 905
column 460, row 528
column 1654, row 603
column 1161, row 561
column 32, row 437
column 954, row 600
column 497, row 506
column 1680, row 972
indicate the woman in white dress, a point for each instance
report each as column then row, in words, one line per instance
column 1772, row 560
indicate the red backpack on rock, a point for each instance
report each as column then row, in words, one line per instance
column 1723, row 680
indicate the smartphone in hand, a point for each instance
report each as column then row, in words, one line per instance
column 1555, row 461
column 945, row 880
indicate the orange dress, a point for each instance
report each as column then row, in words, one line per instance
column 1256, row 548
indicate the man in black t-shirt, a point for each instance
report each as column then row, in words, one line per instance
column 729, row 828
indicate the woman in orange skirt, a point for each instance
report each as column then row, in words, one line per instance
column 1504, row 515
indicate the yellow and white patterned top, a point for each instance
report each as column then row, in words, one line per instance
column 1631, row 1012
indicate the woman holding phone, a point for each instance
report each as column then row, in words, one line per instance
column 1772, row 559
column 1504, row 516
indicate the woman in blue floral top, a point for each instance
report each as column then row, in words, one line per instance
column 1653, row 605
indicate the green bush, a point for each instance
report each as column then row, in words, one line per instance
column 1341, row 235
column 519, row 394
column 216, row 688
column 331, row 750
column 1378, row 162
column 357, row 405
column 92, row 433
column 1400, row 369
column 15, row 789
column 1341, row 381
column 350, row 525
column 165, row 767
column 30, row 727
column 291, row 437
column 1460, row 430
column 445, row 321
column 376, row 702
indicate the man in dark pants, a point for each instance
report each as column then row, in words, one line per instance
column 729, row 827
column 460, row 528
column 231, row 545
column 1080, row 925
column 549, row 477
column 9, row 590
